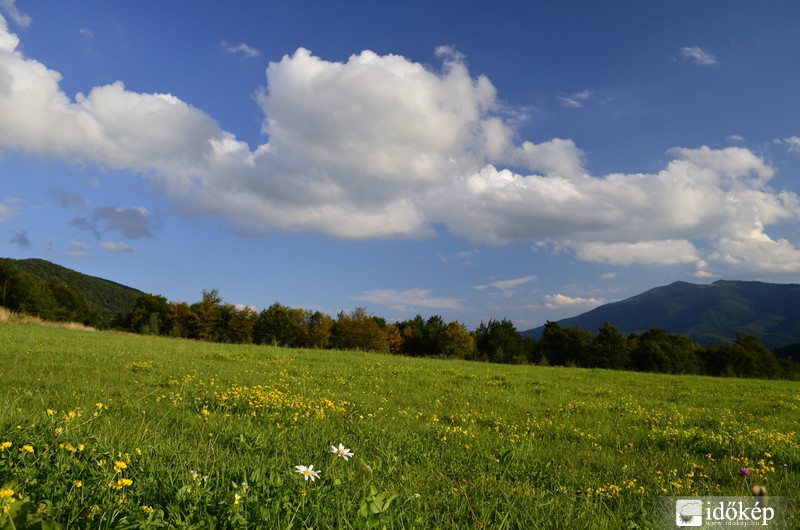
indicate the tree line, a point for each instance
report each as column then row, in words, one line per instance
column 212, row 319
column 496, row 341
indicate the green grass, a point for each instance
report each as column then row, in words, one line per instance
column 209, row 435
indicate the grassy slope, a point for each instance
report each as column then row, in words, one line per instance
column 461, row 444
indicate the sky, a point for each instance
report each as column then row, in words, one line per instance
column 474, row 160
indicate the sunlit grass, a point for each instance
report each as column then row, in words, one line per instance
column 110, row 428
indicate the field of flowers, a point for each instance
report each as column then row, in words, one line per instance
column 107, row 430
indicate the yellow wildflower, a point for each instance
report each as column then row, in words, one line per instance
column 119, row 484
column 119, row 465
column 6, row 499
column 77, row 483
column 27, row 448
column 5, row 445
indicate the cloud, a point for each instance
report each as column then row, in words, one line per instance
column 381, row 146
column 119, row 246
column 507, row 284
column 735, row 138
column 666, row 252
column 86, row 32
column 698, row 56
column 560, row 301
column 245, row 50
column 794, row 143
column 133, row 223
column 78, row 249
column 575, row 100
column 20, row 239
column 8, row 208
column 409, row 299
column 465, row 257
column 20, row 19
column 69, row 200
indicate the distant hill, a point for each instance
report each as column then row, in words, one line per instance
column 708, row 314
column 105, row 297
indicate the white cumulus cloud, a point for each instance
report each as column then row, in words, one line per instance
column 383, row 146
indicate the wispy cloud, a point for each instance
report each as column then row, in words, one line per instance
column 575, row 100
column 78, row 249
column 506, row 284
column 69, row 200
column 132, row 222
column 735, row 138
column 698, row 56
column 794, row 143
column 243, row 49
column 19, row 18
column 409, row 299
column 20, row 239
column 465, row 257
column 561, row 301
column 116, row 246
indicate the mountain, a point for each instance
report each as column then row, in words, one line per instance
column 105, row 298
column 708, row 314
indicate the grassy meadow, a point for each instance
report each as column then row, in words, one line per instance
column 105, row 430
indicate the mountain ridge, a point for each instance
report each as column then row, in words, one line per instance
column 706, row 313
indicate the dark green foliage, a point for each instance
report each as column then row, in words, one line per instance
column 657, row 351
column 148, row 316
column 609, row 348
column 500, row 342
column 746, row 357
column 562, row 346
column 359, row 331
column 279, row 325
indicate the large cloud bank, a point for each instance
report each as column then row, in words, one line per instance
column 381, row 146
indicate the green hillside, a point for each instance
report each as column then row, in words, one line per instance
column 42, row 288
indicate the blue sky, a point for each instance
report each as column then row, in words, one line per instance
column 475, row 160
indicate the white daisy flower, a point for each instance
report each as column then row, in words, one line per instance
column 342, row 451
column 308, row 472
